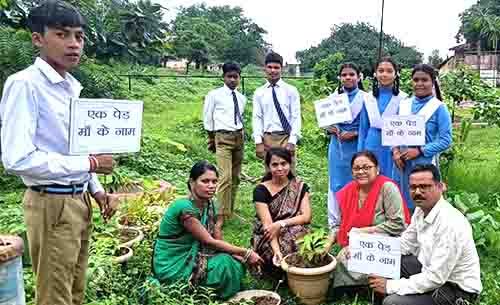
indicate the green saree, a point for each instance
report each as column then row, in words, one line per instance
column 178, row 256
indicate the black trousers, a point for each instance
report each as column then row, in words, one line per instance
column 448, row 294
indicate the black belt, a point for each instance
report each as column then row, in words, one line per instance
column 229, row 131
column 277, row 133
column 59, row 189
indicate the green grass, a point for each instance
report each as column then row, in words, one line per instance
column 174, row 139
column 478, row 170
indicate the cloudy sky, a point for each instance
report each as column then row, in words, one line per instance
column 295, row 25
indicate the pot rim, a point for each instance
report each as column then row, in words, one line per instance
column 245, row 294
column 308, row 271
column 125, row 257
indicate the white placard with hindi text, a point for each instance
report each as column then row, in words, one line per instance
column 374, row 254
column 406, row 130
column 105, row 126
column 333, row 110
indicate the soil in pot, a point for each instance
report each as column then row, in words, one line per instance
column 296, row 261
column 263, row 300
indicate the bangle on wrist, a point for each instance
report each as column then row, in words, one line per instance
column 96, row 162
column 247, row 255
column 93, row 166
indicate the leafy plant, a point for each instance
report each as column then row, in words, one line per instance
column 484, row 219
column 311, row 247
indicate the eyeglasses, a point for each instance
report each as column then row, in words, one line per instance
column 364, row 168
column 424, row 188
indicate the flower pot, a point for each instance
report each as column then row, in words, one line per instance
column 310, row 285
column 126, row 253
column 249, row 294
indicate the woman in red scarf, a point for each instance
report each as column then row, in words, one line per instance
column 370, row 203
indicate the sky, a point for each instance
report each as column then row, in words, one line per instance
column 295, row 25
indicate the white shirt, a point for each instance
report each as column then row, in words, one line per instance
column 218, row 110
column 265, row 116
column 34, row 116
column 444, row 246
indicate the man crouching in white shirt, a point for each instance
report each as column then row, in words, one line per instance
column 440, row 264
column 35, row 111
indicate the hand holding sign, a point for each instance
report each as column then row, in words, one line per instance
column 103, row 165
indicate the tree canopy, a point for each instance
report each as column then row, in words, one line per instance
column 481, row 25
column 120, row 29
column 205, row 34
column 359, row 43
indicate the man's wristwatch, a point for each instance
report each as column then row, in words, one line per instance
column 282, row 223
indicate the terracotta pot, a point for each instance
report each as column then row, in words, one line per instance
column 128, row 253
column 310, row 285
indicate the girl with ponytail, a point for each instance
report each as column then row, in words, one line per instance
column 383, row 102
column 344, row 137
column 426, row 102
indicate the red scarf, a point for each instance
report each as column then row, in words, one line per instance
column 355, row 217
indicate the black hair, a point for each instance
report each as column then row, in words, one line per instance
column 429, row 167
column 353, row 66
column 54, row 14
column 273, row 57
column 365, row 153
column 198, row 169
column 397, row 81
column 428, row 69
column 281, row 153
column 231, row 67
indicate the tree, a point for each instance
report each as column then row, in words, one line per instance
column 328, row 67
column 116, row 29
column 435, row 59
column 226, row 33
column 480, row 25
column 198, row 40
column 359, row 43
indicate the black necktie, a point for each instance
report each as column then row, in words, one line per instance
column 281, row 115
column 237, row 114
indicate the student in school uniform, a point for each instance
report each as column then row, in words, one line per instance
column 344, row 138
column 223, row 119
column 384, row 102
column 276, row 111
column 427, row 102
column 35, row 112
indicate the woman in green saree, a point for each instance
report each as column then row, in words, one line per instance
column 189, row 246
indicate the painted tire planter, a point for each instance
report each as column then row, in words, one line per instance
column 126, row 254
column 128, row 231
column 310, row 285
column 11, row 271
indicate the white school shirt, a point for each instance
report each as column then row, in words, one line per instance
column 34, row 116
column 444, row 246
column 265, row 116
column 218, row 109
